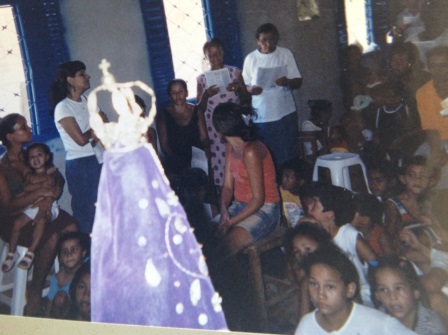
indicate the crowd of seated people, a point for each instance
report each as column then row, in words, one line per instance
column 402, row 217
column 392, row 120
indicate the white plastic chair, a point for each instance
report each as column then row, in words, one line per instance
column 14, row 280
column 344, row 169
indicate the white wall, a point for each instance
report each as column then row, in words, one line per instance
column 111, row 29
column 313, row 43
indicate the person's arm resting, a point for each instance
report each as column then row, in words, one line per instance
column 72, row 128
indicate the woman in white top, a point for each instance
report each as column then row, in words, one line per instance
column 271, row 74
column 72, row 121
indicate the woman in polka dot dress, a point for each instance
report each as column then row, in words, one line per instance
column 209, row 97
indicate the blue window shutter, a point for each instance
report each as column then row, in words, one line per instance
column 380, row 22
column 45, row 48
column 341, row 29
column 159, row 49
column 222, row 22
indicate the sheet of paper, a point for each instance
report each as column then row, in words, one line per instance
column 198, row 159
column 267, row 76
column 293, row 213
column 220, row 78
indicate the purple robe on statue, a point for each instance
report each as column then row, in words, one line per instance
column 147, row 267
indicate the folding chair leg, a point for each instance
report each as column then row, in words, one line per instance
column 19, row 292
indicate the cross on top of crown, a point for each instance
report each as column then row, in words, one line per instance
column 104, row 66
column 108, row 78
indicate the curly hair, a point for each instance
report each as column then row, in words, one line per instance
column 403, row 268
column 330, row 255
column 7, row 124
column 310, row 230
column 214, row 42
column 267, row 28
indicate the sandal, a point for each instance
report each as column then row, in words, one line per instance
column 27, row 260
column 10, row 260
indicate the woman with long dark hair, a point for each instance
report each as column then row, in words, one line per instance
column 249, row 179
column 72, row 117
column 14, row 134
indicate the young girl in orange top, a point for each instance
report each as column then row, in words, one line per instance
column 249, row 179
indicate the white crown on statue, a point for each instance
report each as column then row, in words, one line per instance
column 130, row 129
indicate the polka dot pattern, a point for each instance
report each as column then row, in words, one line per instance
column 218, row 148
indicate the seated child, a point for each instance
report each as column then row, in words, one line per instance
column 417, row 244
column 40, row 160
column 72, row 250
column 304, row 239
column 319, row 119
column 80, row 294
column 393, row 117
column 333, row 286
column 333, row 208
column 368, row 220
column 382, row 178
column 293, row 177
column 410, row 206
column 337, row 140
column 355, row 122
column 396, row 288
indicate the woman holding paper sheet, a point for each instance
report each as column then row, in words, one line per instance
column 208, row 98
column 271, row 74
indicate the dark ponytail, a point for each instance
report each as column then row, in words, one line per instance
column 60, row 87
column 231, row 119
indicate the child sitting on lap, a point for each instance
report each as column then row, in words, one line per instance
column 42, row 174
column 72, row 251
